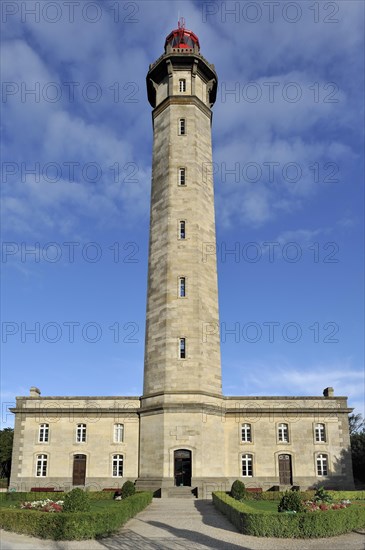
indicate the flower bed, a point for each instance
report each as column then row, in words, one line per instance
column 46, row 505
column 312, row 506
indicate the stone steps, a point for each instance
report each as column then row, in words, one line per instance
column 180, row 492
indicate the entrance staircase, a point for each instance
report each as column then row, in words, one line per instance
column 180, row 492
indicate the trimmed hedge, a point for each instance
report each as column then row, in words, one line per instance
column 73, row 525
column 282, row 525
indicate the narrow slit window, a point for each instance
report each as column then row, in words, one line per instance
column 182, row 287
column 182, row 176
column 182, row 85
column 182, row 126
column 182, row 229
column 182, row 348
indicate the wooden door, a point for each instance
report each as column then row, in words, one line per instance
column 285, row 471
column 79, row 470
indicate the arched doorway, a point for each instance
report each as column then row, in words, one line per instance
column 182, row 467
column 285, row 470
column 79, row 470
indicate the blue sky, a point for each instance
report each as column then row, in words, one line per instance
column 288, row 160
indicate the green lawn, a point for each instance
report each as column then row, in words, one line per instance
column 99, row 505
column 262, row 505
column 7, row 504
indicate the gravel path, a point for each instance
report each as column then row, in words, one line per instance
column 179, row 524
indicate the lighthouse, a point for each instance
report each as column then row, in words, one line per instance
column 182, row 436
column 182, row 369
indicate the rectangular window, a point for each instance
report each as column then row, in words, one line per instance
column 41, row 467
column 322, row 465
column 182, row 127
column 246, row 433
column 283, row 433
column 182, row 348
column 43, row 436
column 320, row 432
column 117, row 465
column 182, row 287
column 81, row 433
column 182, row 178
column 182, row 85
column 118, row 433
column 247, row 465
column 182, row 232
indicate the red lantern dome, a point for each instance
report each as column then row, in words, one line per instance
column 182, row 38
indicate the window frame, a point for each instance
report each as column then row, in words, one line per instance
column 181, row 176
column 81, row 431
column 182, row 224
column 117, row 462
column 319, row 432
column 43, row 433
column 322, row 464
column 182, row 127
column 182, row 348
column 181, row 287
column 247, row 429
column 247, row 463
column 182, row 84
column 118, row 432
column 281, row 435
column 41, row 465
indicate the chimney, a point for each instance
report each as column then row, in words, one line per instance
column 328, row 392
column 35, row 392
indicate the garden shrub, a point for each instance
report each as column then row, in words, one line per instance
column 300, row 525
column 73, row 525
column 76, row 501
column 238, row 490
column 128, row 489
column 291, row 502
column 322, row 495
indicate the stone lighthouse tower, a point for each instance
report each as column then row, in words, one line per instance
column 182, row 371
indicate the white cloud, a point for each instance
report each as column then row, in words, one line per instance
column 280, row 377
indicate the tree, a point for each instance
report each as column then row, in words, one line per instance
column 356, row 423
column 6, row 448
column 357, row 438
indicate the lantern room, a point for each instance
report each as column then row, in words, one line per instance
column 182, row 39
column 181, row 71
